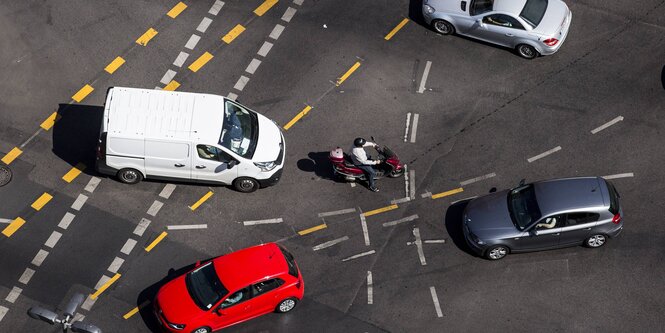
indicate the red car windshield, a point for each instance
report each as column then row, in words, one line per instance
column 204, row 286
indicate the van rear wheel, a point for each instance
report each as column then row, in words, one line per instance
column 246, row 184
column 130, row 176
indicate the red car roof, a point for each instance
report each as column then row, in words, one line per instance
column 241, row 268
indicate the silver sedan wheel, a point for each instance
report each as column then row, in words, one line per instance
column 527, row 51
column 595, row 241
column 287, row 305
column 443, row 27
column 497, row 252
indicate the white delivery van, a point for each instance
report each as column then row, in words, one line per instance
column 188, row 137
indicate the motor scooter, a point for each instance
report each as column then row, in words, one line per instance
column 344, row 168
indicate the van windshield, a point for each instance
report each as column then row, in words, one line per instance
column 240, row 130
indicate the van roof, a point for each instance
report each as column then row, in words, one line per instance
column 159, row 114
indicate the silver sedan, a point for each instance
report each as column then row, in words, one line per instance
column 531, row 27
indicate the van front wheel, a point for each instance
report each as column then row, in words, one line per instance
column 246, row 184
column 130, row 176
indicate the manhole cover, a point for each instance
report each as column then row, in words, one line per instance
column 5, row 175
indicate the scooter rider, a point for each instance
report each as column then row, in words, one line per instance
column 359, row 157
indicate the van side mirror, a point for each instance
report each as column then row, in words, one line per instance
column 231, row 164
column 522, row 182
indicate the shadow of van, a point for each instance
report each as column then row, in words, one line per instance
column 76, row 133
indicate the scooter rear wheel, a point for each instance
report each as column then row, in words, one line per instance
column 396, row 173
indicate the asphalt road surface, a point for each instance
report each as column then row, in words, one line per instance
column 463, row 115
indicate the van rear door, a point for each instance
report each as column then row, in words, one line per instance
column 167, row 159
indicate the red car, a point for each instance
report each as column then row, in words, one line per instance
column 231, row 289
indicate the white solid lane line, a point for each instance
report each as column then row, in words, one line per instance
column 607, row 124
column 620, row 175
column 268, row 221
column 363, row 224
column 424, row 78
column 435, row 299
column 359, row 255
column 187, row 227
column 477, row 179
column 330, row 243
column 402, row 220
column 415, row 127
column 539, row 156
column 338, row 212
column 370, row 293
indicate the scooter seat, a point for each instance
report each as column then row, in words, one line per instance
column 348, row 162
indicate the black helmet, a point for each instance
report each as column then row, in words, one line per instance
column 359, row 142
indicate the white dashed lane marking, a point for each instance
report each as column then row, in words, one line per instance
column 203, row 26
column 253, row 65
column 370, row 292
column 53, row 239
column 268, row 221
column 330, row 243
column 155, row 207
column 232, row 96
column 363, row 224
column 549, row 152
column 402, row 220
column 265, row 48
column 13, row 294
column 3, row 312
column 419, row 246
column 26, row 276
column 406, row 130
column 193, row 40
column 435, row 299
column 298, row 2
column 276, row 31
column 168, row 76
column 78, row 203
column 179, row 61
column 187, row 227
column 606, row 125
column 216, row 7
column 356, row 256
column 141, row 227
column 92, row 184
column 477, row 179
column 338, row 212
column 39, row 258
column 620, row 175
column 423, row 80
column 115, row 265
column 288, row 14
column 128, row 247
column 242, row 81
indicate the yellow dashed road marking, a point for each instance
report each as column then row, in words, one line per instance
column 114, row 65
column 348, row 73
column 263, row 8
column 50, row 121
column 105, row 286
column 146, row 37
column 12, row 227
column 380, row 210
column 312, row 229
column 11, row 155
column 231, row 35
column 82, row 93
column 173, row 85
column 156, row 241
column 42, row 201
column 297, row 117
column 131, row 313
column 202, row 60
column 73, row 173
column 202, row 200
column 176, row 10
column 447, row 193
column 396, row 29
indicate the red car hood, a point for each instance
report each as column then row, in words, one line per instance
column 175, row 302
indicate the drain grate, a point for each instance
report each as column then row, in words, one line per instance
column 5, row 175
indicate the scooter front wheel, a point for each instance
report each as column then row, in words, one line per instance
column 396, row 173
